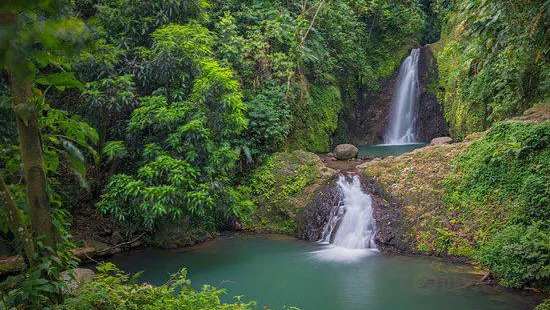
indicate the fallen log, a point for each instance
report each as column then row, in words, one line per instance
column 16, row 263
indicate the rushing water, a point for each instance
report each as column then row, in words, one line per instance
column 282, row 271
column 402, row 128
column 350, row 231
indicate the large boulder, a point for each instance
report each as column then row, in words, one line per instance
column 76, row 278
column 345, row 151
column 441, row 141
column 282, row 188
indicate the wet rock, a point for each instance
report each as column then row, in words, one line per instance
column 84, row 253
column 441, row 141
column 364, row 120
column 345, row 151
column 237, row 225
column 330, row 154
column 116, row 238
column 429, row 114
column 328, row 160
column 312, row 222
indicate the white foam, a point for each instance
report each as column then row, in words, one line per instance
column 342, row 255
column 350, row 231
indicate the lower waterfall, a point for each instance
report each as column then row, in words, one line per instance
column 349, row 234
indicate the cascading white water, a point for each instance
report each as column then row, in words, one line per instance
column 350, row 231
column 401, row 129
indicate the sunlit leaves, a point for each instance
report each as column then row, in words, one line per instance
column 185, row 40
column 60, row 80
column 166, row 187
column 190, row 130
column 156, row 114
column 114, row 149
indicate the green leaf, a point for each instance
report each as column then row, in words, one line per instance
column 60, row 80
column 76, row 161
column 114, row 149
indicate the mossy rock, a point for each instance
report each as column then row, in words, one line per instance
column 180, row 233
column 282, row 188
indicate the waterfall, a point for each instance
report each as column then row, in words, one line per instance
column 401, row 129
column 350, row 231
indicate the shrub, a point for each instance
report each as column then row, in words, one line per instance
column 519, row 255
column 112, row 289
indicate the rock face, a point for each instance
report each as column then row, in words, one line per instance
column 345, row 151
column 408, row 196
column 317, row 214
column 441, row 141
column 429, row 114
column 366, row 121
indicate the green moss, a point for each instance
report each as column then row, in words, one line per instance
column 483, row 198
column 545, row 305
column 315, row 118
column 507, row 172
column 282, row 187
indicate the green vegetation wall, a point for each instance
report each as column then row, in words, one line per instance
column 175, row 102
column 300, row 63
column 493, row 60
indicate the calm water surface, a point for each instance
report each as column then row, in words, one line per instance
column 281, row 271
column 383, row 150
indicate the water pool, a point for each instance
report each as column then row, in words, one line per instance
column 281, row 271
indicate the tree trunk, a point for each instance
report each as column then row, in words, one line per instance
column 15, row 222
column 33, row 160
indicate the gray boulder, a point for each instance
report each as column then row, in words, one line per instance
column 76, row 278
column 345, row 151
column 441, row 141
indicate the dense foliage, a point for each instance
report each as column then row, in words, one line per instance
column 188, row 100
column 112, row 289
column 493, row 61
column 166, row 112
column 500, row 188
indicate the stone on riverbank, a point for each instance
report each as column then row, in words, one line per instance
column 441, row 141
column 345, row 151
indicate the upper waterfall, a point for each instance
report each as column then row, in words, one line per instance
column 401, row 129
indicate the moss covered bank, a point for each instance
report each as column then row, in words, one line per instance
column 485, row 199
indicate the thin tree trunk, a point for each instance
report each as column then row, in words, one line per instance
column 33, row 160
column 320, row 4
column 15, row 222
